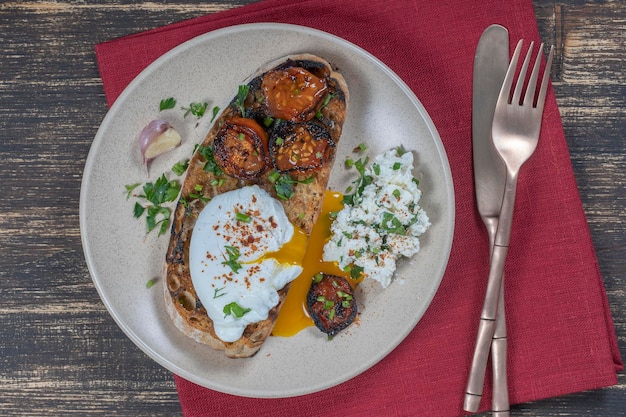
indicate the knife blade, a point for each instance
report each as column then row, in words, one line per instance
column 490, row 65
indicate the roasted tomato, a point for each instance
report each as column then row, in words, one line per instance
column 240, row 148
column 300, row 147
column 293, row 94
column 331, row 303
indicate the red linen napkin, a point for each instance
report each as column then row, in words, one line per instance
column 561, row 336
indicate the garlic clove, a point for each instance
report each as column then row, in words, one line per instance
column 157, row 138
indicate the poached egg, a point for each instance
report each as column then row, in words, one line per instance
column 243, row 250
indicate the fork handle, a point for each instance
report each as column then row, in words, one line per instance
column 500, row 399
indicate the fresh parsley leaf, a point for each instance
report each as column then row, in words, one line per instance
column 391, row 224
column 242, row 93
column 215, row 112
column 283, row 184
column 130, row 188
column 157, row 193
column 233, row 255
column 210, row 166
column 196, row 109
column 235, row 309
column 168, row 103
column 179, row 168
column 157, row 216
column 138, row 210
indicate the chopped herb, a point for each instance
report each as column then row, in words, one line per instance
column 235, row 309
column 376, row 168
column 233, row 255
column 179, row 168
column 396, row 166
column 216, row 291
column 161, row 191
column 361, row 147
column 243, row 217
column 391, row 224
column 283, row 184
column 317, row 278
column 349, row 163
column 168, row 103
column 327, row 99
column 138, row 210
column 396, row 193
column 279, row 141
column 400, row 150
column 210, row 166
column 416, row 181
column 356, row 271
column 215, row 112
column 267, row 122
column 196, row 109
column 157, row 193
column 328, row 304
column 130, row 188
column 150, row 283
column 242, row 93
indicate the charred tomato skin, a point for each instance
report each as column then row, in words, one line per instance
column 300, row 147
column 331, row 303
column 241, row 148
column 293, row 93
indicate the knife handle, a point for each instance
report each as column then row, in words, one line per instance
column 486, row 330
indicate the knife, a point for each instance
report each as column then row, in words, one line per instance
column 490, row 65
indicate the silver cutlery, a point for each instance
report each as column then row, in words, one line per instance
column 515, row 134
column 490, row 65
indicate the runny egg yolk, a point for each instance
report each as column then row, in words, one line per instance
column 293, row 316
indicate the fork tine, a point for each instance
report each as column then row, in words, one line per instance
column 544, row 82
column 529, row 97
column 505, row 91
column 522, row 76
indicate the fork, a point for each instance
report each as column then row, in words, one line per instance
column 515, row 134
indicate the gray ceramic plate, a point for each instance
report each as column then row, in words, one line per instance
column 122, row 258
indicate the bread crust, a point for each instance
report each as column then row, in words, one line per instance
column 303, row 208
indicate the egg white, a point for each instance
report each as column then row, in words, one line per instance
column 254, row 287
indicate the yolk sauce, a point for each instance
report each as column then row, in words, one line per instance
column 294, row 316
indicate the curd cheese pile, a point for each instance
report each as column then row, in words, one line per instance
column 381, row 221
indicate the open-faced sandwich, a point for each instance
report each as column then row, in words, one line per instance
column 252, row 193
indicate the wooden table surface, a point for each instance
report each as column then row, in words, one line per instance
column 61, row 353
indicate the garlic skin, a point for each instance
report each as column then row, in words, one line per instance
column 157, row 138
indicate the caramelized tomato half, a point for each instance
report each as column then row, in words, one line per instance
column 241, row 148
column 331, row 303
column 300, row 147
column 293, row 93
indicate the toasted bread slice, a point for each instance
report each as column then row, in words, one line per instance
column 302, row 208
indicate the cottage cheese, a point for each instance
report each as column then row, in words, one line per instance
column 382, row 223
